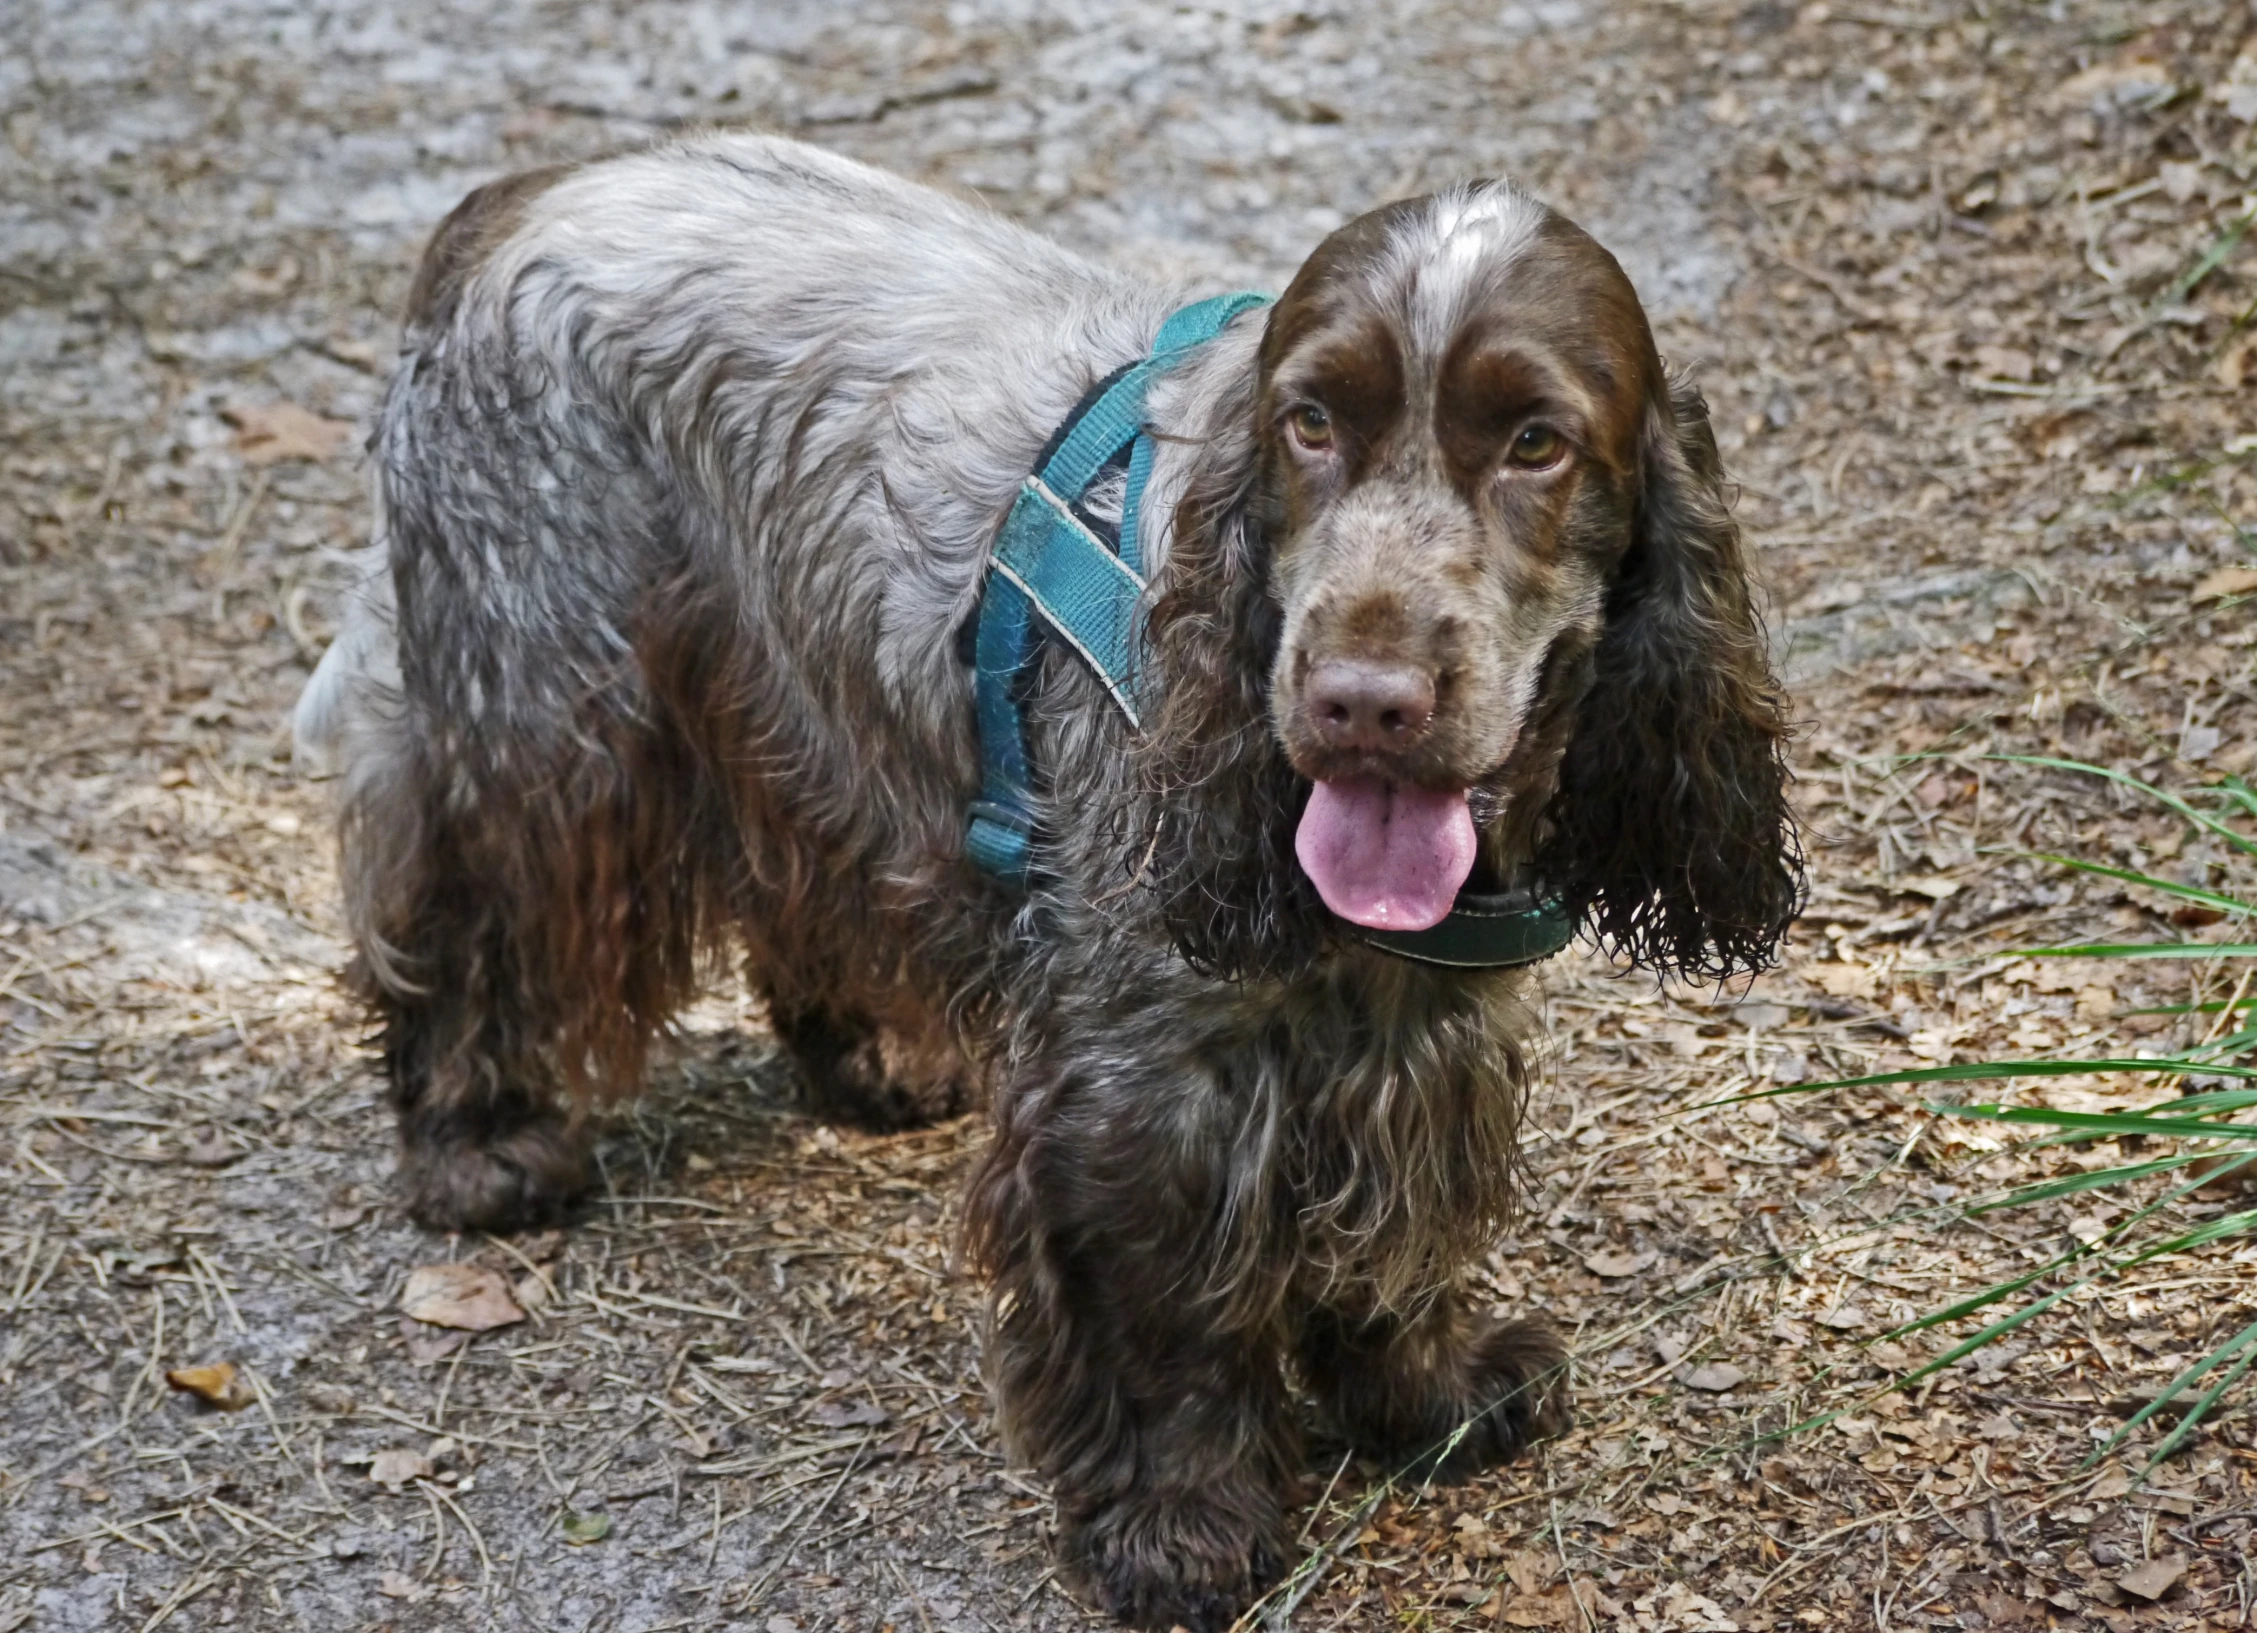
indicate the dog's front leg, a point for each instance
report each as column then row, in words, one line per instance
column 1158, row 1410
column 1444, row 1392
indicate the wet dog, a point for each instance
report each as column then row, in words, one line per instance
column 687, row 484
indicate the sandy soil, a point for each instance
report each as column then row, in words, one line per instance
column 1947, row 273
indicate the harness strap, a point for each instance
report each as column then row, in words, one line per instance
column 1048, row 564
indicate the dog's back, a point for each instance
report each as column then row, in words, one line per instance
column 684, row 484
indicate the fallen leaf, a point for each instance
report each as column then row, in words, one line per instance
column 209, row 1149
column 2003, row 1610
column 1554, row 1609
column 1843, row 1318
column 1531, row 1572
column 1842, row 980
column 2154, row 1579
column 465, row 1296
column 582, row 1529
column 847, row 1415
column 1716, row 1377
column 2225, row 581
column 268, row 433
column 2233, row 363
column 1695, row 1613
column 2006, row 363
column 400, row 1585
column 396, row 1467
column 219, row 1384
column 429, row 1344
column 1612, row 1265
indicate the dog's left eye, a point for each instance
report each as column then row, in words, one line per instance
column 1536, row 447
column 1312, row 426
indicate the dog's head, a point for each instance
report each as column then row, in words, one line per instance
column 1478, row 570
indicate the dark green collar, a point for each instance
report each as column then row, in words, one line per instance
column 1499, row 932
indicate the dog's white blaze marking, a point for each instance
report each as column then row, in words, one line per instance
column 1444, row 259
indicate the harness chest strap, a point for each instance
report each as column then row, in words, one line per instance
column 1048, row 563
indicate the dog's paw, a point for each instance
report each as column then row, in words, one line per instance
column 1191, row 1560
column 1518, row 1395
column 860, row 1090
column 514, row 1181
column 853, row 1072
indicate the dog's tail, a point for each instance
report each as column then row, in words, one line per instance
column 357, row 679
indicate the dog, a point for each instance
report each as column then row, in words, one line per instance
column 687, row 486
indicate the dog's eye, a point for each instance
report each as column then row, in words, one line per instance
column 1536, row 447
column 1312, row 426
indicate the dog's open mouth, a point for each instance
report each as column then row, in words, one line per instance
column 1386, row 855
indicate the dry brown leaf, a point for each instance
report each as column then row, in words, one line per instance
column 2233, row 363
column 2154, row 1579
column 1531, row 1572
column 1715, row 1377
column 2226, row 581
column 396, row 1467
column 1554, row 1609
column 219, row 1384
column 465, row 1296
column 847, row 1415
column 1612, row 1265
column 1841, row 980
column 400, row 1585
column 268, row 433
column 2006, row 363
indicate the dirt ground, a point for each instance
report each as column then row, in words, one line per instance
column 1950, row 273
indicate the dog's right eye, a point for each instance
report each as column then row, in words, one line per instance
column 1312, row 426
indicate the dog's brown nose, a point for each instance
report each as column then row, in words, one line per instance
column 1367, row 706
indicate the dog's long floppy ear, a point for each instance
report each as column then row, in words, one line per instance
column 1211, row 801
column 1671, row 835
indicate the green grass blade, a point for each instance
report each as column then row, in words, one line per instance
column 2229, row 1224
column 1990, row 1334
column 2223, row 1353
column 2206, row 263
column 2197, row 1412
column 2234, row 1043
column 1988, row 1070
column 2101, row 1122
column 2203, row 1105
column 2098, row 1179
column 2148, row 949
column 1987, row 1297
column 1975, row 1071
column 2167, row 887
column 2200, row 818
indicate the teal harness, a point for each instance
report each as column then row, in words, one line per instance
column 1050, row 563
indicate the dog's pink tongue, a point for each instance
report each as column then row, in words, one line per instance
column 1383, row 855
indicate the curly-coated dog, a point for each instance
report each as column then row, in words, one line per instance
column 688, row 483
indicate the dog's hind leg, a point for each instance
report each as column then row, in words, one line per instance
column 485, row 1140
column 521, row 937
column 1444, row 1394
